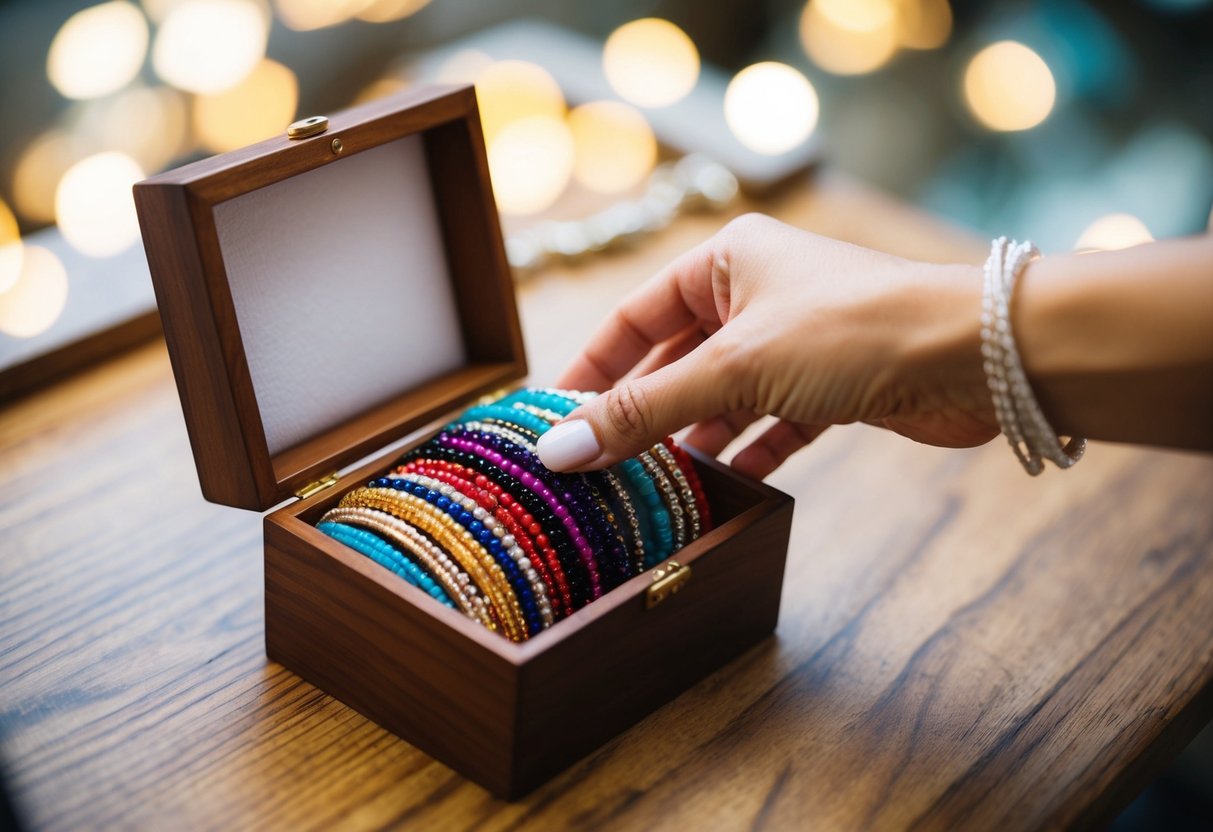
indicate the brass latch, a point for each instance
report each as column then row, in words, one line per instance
column 305, row 127
column 668, row 579
column 317, row 486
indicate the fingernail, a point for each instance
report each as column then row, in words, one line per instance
column 568, row 445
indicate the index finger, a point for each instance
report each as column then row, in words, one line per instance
column 664, row 306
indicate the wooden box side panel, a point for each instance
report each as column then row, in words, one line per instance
column 387, row 658
column 207, row 395
column 603, row 679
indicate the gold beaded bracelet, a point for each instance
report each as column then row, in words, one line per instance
column 457, row 583
column 458, row 541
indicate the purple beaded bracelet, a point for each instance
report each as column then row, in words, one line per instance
column 529, row 480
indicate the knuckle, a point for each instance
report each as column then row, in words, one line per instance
column 628, row 412
column 730, row 358
column 746, row 224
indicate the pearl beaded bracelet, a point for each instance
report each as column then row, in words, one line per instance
column 1029, row 433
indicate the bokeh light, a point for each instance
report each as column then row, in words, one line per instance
column 94, row 206
column 770, row 107
column 1009, row 87
column 464, row 67
column 157, row 10
column 380, row 88
column 614, row 146
column 161, row 114
column 35, row 301
column 12, row 252
column 207, row 46
column 530, row 163
column 99, row 50
column 385, row 11
column 1115, row 231
column 260, row 106
column 510, row 91
column 923, row 24
column 849, row 37
column 307, row 15
column 650, row 62
column 38, row 170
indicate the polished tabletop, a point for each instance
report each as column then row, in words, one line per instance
column 960, row 645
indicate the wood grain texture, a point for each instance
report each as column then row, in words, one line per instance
column 959, row 645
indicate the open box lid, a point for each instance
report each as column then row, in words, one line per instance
column 325, row 296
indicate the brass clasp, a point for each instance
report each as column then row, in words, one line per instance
column 668, row 579
column 317, row 486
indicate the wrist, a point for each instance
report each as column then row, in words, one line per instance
column 937, row 373
column 940, row 343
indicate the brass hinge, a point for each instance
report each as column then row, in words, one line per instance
column 668, row 579
column 317, row 486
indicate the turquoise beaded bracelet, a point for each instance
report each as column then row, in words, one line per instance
column 387, row 556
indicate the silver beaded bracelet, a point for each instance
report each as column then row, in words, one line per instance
column 1020, row 417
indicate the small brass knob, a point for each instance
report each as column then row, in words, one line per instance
column 313, row 126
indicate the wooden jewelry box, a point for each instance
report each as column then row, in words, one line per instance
column 326, row 296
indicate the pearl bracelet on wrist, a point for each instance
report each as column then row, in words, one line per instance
column 1019, row 416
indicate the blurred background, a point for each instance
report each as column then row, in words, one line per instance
column 1077, row 124
column 1082, row 125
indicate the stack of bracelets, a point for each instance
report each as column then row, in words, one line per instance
column 474, row 519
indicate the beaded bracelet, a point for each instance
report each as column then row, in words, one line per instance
column 386, row 556
column 562, row 403
column 621, row 495
column 661, row 543
column 474, row 558
column 459, row 500
column 692, row 474
column 528, row 480
column 454, row 581
column 535, row 608
column 507, row 414
column 573, row 492
column 518, row 523
column 669, row 495
column 662, row 454
column 552, row 532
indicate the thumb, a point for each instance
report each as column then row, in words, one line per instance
column 634, row 416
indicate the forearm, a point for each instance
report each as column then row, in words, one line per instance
column 1119, row 345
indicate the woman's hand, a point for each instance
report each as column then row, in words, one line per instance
column 766, row 319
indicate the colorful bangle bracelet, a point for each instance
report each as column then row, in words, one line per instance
column 503, row 607
column 536, row 611
column 692, row 474
column 624, row 502
column 552, row 531
column 593, row 486
column 658, row 517
column 550, row 417
column 551, row 406
column 507, row 541
column 453, row 580
column 669, row 495
column 573, row 492
column 487, row 573
column 506, row 414
column 528, row 480
column 519, row 523
column 387, row 556
column 663, row 456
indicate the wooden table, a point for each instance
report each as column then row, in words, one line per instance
column 960, row 645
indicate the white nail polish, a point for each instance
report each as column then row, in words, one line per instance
column 568, row 445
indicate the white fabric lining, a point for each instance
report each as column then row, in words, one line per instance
column 341, row 287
